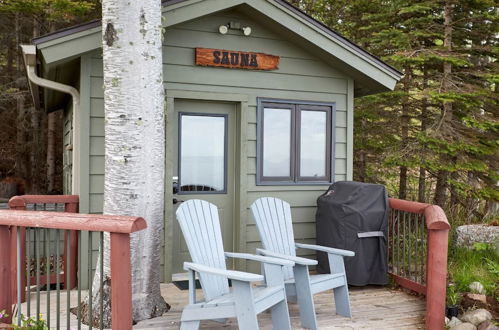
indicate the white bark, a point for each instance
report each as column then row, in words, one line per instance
column 135, row 139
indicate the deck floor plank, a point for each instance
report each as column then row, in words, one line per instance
column 372, row 308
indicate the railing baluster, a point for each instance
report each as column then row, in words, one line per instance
column 421, row 249
column 101, row 258
column 90, row 263
column 28, row 271
column 79, row 279
column 47, row 273
column 425, row 249
column 18, row 272
column 389, row 237
column 37, row 253
column 392, row 216
column 67, row 271
column 398, row 242
column 416, row 248
column 58, row 274
column 404, row 242
column 409, row 248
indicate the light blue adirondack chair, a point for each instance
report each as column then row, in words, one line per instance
column 201, row 228
column 273, row 219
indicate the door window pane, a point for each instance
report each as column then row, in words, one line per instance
column 202, row 153
column 313, row 143
column 276, row 142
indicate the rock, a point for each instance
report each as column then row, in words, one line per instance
column 468, row 235
column 476, row 297
column 464, row 326
column 446, row 320
column 453, row 322
column 474, row 301
column 477, row 287
column 487, row 325
column 477, row 316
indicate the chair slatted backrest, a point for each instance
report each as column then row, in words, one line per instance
column 200, row 225
column 273, row 220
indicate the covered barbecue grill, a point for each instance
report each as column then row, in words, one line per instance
column 354, row 216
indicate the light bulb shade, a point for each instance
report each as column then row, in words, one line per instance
column 246, row 30
column 223, row 29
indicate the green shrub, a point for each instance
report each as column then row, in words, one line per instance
column 453, row 297
column 480, row 263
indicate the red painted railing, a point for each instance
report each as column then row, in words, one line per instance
column 119, row 228
column 71, row 204
column 436, row 233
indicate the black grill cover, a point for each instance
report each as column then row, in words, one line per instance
column 346, row 210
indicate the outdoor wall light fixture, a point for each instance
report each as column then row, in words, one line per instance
column 224, row 29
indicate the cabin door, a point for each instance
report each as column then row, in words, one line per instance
column 204, row 166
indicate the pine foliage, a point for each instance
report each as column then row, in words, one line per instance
column 435, row 138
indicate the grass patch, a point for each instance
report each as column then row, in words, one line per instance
column 478, row 264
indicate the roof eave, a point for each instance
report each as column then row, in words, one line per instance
column 87, row 37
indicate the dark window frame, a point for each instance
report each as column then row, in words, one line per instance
column 327, row 169
column 179, row 156
column 292, row 145
column 298, row 106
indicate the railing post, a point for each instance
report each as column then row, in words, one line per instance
column 16, row 203
column 121, row 282
column 438, row 235
column 5, row 274
column 71, row 207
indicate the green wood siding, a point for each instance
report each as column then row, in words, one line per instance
column 301, row 76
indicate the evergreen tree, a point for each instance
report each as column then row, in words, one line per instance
column 437, row 132
column 24, row 139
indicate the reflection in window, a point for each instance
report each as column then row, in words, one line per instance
column 202, row 153
column 294, row 142
column 313, row 143
column 276, row 142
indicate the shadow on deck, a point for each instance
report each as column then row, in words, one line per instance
column 372, row 308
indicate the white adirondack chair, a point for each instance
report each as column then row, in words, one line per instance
column 201, row 228
column 273, row 219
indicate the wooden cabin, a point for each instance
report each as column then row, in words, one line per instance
column 260, row 102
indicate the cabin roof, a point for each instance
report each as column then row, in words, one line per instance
column 97, row 23
column 59, row 51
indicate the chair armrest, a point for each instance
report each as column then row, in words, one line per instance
column 298, row 260
column 267, row 260
column 345, row 253
column 232, row 274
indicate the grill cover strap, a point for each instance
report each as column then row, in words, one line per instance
column 370, row 234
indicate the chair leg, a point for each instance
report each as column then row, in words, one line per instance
column 189, row 325
column 245, row 307
column 280, row 316
column 305, row 297
column 342, row 301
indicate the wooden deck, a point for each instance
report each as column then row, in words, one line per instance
column 372, row 308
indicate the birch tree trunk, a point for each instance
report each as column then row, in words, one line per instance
column 134, row 143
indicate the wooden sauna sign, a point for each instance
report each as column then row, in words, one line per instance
column 236, row 59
